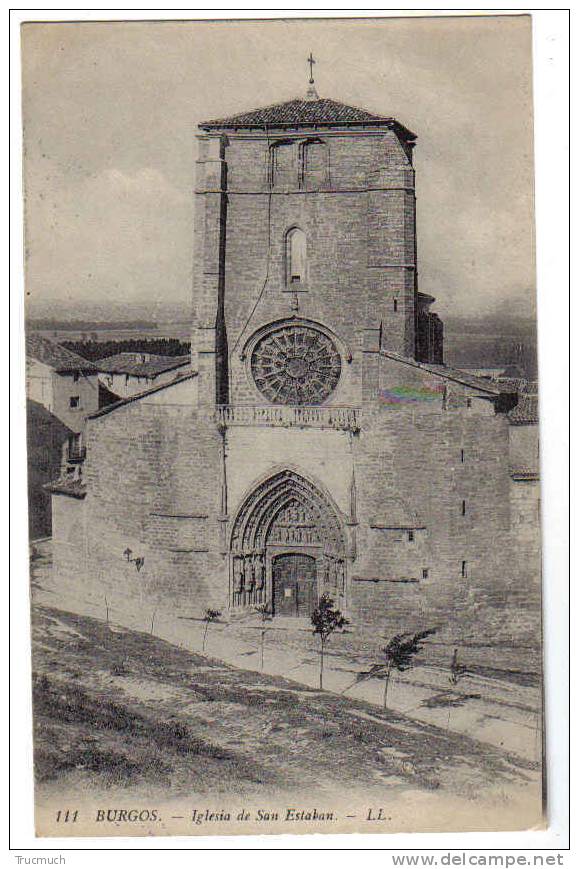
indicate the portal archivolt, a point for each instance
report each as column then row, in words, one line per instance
column 286, row 513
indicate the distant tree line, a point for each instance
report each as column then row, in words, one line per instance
column 45, row 324
column 101, row 349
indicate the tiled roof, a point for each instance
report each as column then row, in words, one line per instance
column 72, row 488
column 55, row 355
column 130, row 363
column 517, row 384
column 42, row 423
column 303, row 112
column 526, row 412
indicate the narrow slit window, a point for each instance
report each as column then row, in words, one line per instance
column 424, row 573
column 464, row 569
column 395, row 305
column 296, row 257
column 463, row 508
column 462, row 456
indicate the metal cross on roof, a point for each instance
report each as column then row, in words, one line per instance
column 311, row 62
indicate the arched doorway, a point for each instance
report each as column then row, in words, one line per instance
column 294, row 589
column 287, row 547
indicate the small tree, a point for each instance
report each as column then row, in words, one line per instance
column 326, row 620
column 210, row 616
column 457, row 670
column 398, row 655
column 265, row 615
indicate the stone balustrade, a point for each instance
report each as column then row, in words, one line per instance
column 298, row 416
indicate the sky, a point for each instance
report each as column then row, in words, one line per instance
column 110, row 113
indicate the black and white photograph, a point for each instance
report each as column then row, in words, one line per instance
column 282, row 400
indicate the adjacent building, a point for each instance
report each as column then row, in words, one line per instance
column 61, row 388
column 128, row 374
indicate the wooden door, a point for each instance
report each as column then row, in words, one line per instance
column 294, row 585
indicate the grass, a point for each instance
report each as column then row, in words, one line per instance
column 118, row 710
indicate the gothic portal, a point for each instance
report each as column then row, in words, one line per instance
column 287, row 547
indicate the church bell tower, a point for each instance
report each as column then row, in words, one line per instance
column 305, row 254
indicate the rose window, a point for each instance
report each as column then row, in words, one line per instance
column 295, row 365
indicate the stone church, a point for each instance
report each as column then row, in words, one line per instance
column 318, row 442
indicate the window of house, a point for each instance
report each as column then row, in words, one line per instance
column 469, row 402
column 74, row 446
column 411, row 536
column 424, row 573
column 74, row 401
column 395, row 305
column 296, row 257
column 463, row 508
column 75, row 377
column 463, row 569
column 462, row 456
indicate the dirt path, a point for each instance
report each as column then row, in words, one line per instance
column 117, row 711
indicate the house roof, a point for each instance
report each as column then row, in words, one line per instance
column 42, row 424
column 306, row 113
column 130, row 363
column 103, row 411
column 72, row 488
column 526, row 412
column 517, row 384
column 55, row 355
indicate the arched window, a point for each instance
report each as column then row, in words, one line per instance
column 314, row 164
column 296, row 257
column 282, row 169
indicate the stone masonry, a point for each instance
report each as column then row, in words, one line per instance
column 391, row 475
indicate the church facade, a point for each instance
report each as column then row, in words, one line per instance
column 318, row 444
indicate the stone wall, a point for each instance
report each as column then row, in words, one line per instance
column 422, row 487
column 416, row 556
column 360, row 231
column 443, row 475
column 525, row 498
column 152, row 475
